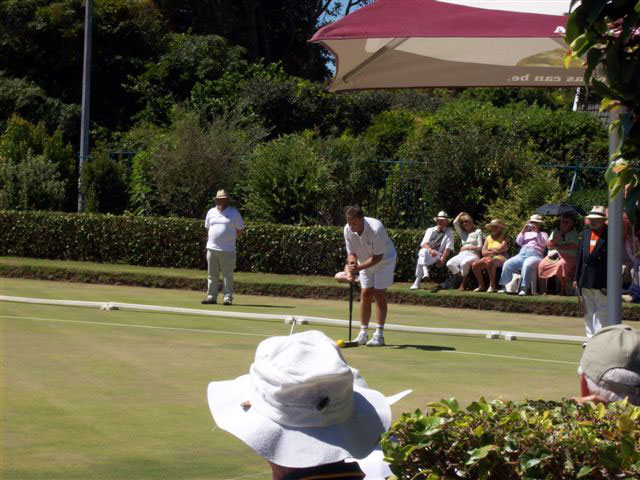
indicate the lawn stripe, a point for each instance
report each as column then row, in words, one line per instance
column 153, row 327
column 510, row 357
column 259, row 335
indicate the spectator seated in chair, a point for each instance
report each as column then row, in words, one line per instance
column 471, row 246
column 533, row 243
column 560, row 261
column 435, row 248
column 494, row 254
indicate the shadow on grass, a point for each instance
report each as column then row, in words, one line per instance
column 428, row 348
column 262, row 305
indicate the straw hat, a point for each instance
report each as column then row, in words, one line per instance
column 598, row 212
column 222, row 194
column 495, row 223
column 442, row 215
column 535, row 218
column 301, row 404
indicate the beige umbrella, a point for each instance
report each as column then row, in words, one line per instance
column 456, row 43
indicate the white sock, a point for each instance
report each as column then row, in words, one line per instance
column 379, row 329
column 363, row 328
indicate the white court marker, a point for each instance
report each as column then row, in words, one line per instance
column 266, row 474
column 259, row 335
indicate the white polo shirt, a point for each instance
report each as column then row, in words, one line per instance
column 373, row 241
column 223, row 228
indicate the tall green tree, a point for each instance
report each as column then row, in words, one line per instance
column 42, row 41
column 37, row 170
column 276, row 30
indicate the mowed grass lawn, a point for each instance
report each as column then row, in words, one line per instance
column 90, row 394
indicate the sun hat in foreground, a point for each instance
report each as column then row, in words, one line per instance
column 301, row 405
column 617, row 346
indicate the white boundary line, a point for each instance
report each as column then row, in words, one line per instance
column 133, row 325
column 300, row 319
column 223, row 332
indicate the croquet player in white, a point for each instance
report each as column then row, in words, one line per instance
column 224, row 224
column 371, row 254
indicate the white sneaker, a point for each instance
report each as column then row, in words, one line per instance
column 362, row 337
column 376, row 341
column 522, row 293
column 228, row 301
column 416, row 285
column 502, row 290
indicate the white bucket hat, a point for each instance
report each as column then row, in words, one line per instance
column 301, row 404
column 535, row 218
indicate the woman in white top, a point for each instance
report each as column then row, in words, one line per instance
column 472, row 240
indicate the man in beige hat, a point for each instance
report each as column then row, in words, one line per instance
column 610, row 367
column 224, row 224
column 435, row 247
column 591, row 272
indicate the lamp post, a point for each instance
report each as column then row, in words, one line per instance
column 86, row 93
column 614, row 239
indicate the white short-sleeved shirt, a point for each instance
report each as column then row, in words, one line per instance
column 223, row 228
column 447, row 241
column 373, row 241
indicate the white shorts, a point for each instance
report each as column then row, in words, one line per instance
column 380, row 276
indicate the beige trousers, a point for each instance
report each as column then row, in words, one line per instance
column 217, row 262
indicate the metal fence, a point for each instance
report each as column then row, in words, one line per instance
column 402, row 195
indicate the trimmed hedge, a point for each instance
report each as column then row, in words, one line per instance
column 513, row 440
column 180, row 243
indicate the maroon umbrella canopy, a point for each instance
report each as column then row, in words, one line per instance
column 448, row 43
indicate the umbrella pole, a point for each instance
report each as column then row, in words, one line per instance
column 614, row 242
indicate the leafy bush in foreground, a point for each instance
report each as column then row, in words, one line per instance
column 513, row 440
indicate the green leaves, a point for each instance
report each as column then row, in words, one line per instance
column 584, row 471
column 528, row 440
column 605, row 34
column 480, row 453
column 618, row 174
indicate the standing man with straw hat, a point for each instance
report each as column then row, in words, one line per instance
column 591, row 272
column 224, row 224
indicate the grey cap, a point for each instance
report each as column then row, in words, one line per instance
column 617, row 346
